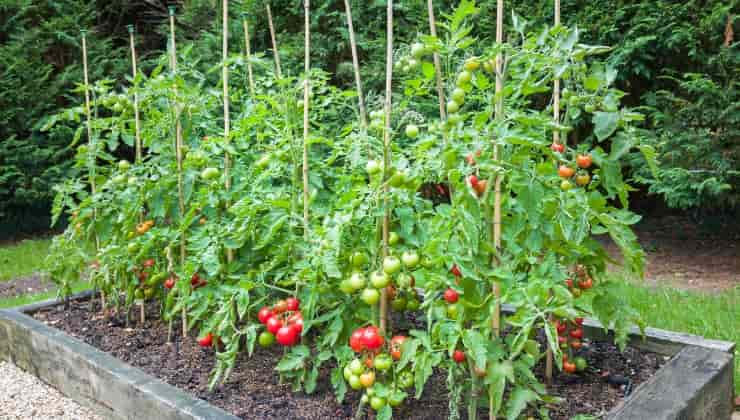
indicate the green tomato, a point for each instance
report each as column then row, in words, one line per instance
column 393, row 238
column 373, row 167
column 263, row 161
column 581, row 364
column 132, row 247
column 358, row 259
column 346, row 287
column 132, row 180
column 397, row 179
column 413, row 63
column 453, row 310
column 399, row 304
column 209, row 174
column 403, row 280
column 347, row 372
column 364, row 399
column 532, row 348
column 458, row 95
column 266, row 339
column 299, row 104
column 412, row 131
column 464, row 78
column 370, row 296
column 452, row 107
column 566, row 185
column 119, row 179
column 356, row 367
column 410, row 259
column 395, row 399
column 357, row 281
column 406, row 379
column 391, row 265
column 377, row 403
column 418, row 50
column 590, row 108
column 380, row 279
column 454, row 119
column 413, row 305
column 383, row 362
column 472, row 64
column 354, row 382
column 124, row 165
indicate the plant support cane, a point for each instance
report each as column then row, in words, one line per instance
column 249, row 56
column 555, row 140
column 137, row 119
column 306, row 96
column 91, row 147
column 437, row 67
column 178, row 153
column 275, row 52
column 496, row 226
column 227, row 117
column 356, row 66
column 387, row 158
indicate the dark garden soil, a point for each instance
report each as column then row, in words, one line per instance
column 28, row 285
column 253, row 390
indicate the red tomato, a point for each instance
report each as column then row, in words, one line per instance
column 458, row 356
column 480, row 187
column 584, row 161
column 557, row 147
column 273, row 324
column 396, row 343
column 355, row 340
column 562, row 339
column 297, row 325
column 264, row 314
column 576, row 344
column 586, row 284
column 293, row 303
column 560, row 327
column 286, row 336
column 569, row 367
column 569, row 283
column 451, row 296
column 280, row 307
column 206, row 341
column 455, row 270
column 577, row 333
column 371, row 338
column 369, row 362
column 169, row 283
column 148, row 263
column 195, row 279
column 473, row 180
column 579, row 321
column 566, row 171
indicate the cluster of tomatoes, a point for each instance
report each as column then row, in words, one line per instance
column 283, row 321
column 451, row 296
column 478, row 186
column 144, row 227
column 147, row 280
column 570, row 335
column 373, row 364
column 583, row 281
column 568, row 172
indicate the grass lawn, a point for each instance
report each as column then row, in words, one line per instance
column 23, row 258
column 26, row 299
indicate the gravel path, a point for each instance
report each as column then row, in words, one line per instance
column 23, row 396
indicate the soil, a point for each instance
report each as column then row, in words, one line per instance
column 29, row 285
column 253, row 391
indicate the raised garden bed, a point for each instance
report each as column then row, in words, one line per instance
column 671, row 375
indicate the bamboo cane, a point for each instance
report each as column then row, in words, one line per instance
column 134, row 72
column 437, row 65
column 387, row 158
column 178, row 152
column 356, row 65
column 499, row 114
column 227, row 117
column 275, row 51
column 249, row 57
column 306, row 97
column 556, row 140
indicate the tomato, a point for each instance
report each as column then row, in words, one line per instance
column 480, row 188
column 169, row 283
column 393, row 238
column 124, row 165
column 584, row 161
column 452, row 311
column 266, row 339
column 557, row 147
column 273, row 324
column 577, row 333
column 286, row 336
column 395, row 399
column 412, row 304
column 569, row 367
column 458, row 356
column 576, row 293
column 406, row 379
column 458, row 95
column 380, row 279
column 347, row 372
column 383, row 362
column 377, row 403
column 367, row 379
column 582, row 179
column 373, row 167
column 354, row 382
column 412, row 131
column 452, row 107
column 371, row 338
column 586, row 284
column 195, row 279
column 346, row 287
column 472, row 64
column 566, row 185
column 358, row 259
column 396, row 343
column 293, row 303
column 569, row 283
column 464, row 77
column 399, row 304
column 369, row 362
column 404, row 280
column 578, row 321
column 580, row 363
column 566, row 171
column 451, row 296
column 209, row 174
column 264, row 314
column 297, row 326
column 455, row 270
column 119, row 179
column 391, row 265
column 397, row 179
column 562, row 339
column 370, row 296
column 357, row 281
column 560, row 327
column 418, row 50
column 206, row 341
column 576, row 344
column 280, row 306
column 356, row 367
column 473, row 181
column 410, row 259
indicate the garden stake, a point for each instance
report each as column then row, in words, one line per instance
column 555, row 140
column 499, row 110
column 356, row 66
column 306, row 97
column 137, row 122
column 437, row 67
column 170, row 267
column 249, row 56
column 178, row 152
column 227, row 118
column 387, row 155
column 275, row 51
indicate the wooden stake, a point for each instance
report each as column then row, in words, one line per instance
column 496, row 227
column 249, row 58
column 275, row 51
column 227, row 117
column 356, row 65
column 178, row 152
column 90, row 140
column 555, row 139
column 306, row 97
column 134, row 72
column 387, row 158
column 437, row 65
